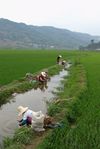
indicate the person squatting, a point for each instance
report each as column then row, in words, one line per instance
column 37, row 120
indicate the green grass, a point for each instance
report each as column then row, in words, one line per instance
column 82, row 122
column 22, row 137
column 78, row 105
column 22, row 85
column 14, row 64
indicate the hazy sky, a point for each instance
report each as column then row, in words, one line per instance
column 75, row 15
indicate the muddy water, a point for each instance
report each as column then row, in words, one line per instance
column 35, row 99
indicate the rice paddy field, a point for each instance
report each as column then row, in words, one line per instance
column 14, row 64
column 85, row 110
column 84, row 133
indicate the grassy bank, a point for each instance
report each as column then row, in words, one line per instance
column 25, row 135
column 62, row 110
column 14, row 64
column 81, row 123
column 22, row 85
column 66, row 108
column 76, row 108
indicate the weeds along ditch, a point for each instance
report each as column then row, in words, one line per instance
column 67, row 108
column 77, row 108
column 23, row 85
column 62, row 110
column 22, row 132
column 82, row 119
column 14, row 64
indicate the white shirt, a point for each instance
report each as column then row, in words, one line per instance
column 37, row 117
column 27, row 113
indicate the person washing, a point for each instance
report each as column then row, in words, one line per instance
column 28, row 117
column 59, row 59
column 64, row 64
column 37, row 120
column 42, row 77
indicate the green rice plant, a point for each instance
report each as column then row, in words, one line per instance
column 19, row 87
column 67, row 107
column 7, row 142
column 77, row 106
column 84, row 114
column 14, row 64
column 23, row 135
column 15, row 146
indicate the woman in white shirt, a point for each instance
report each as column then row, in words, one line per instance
column 29, row 117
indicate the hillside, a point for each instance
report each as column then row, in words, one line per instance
column 20, row 35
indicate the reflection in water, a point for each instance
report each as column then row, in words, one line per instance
column 35, row 99
column 42, row 86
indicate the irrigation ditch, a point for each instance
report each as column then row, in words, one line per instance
column 63, row 108
column 36, row 99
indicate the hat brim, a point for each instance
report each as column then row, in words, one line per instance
column 22, row 111
column 43, row 74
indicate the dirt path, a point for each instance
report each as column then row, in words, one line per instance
column 37, row 140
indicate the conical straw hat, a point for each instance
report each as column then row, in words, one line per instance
column 22, row 109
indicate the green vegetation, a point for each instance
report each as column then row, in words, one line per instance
column 23, row 136
column 14, row 64
column 66, row 108
column 81, row 122
column 62, row 104
column 92, row 46
column 77, row 106
column 23, row 85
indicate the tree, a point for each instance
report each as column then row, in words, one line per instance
column 92, row 41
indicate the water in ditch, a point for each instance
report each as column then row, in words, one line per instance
column 35, row 99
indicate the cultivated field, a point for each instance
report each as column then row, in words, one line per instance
column 79, row 102
column 14, row 64
column 81, row 128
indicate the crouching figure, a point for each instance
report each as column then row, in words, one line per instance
column 28, row 117
column 64, row 64
column 43, row 77
column 59, row 59
column 37, row 120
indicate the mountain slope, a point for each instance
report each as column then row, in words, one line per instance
column 20, row 35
